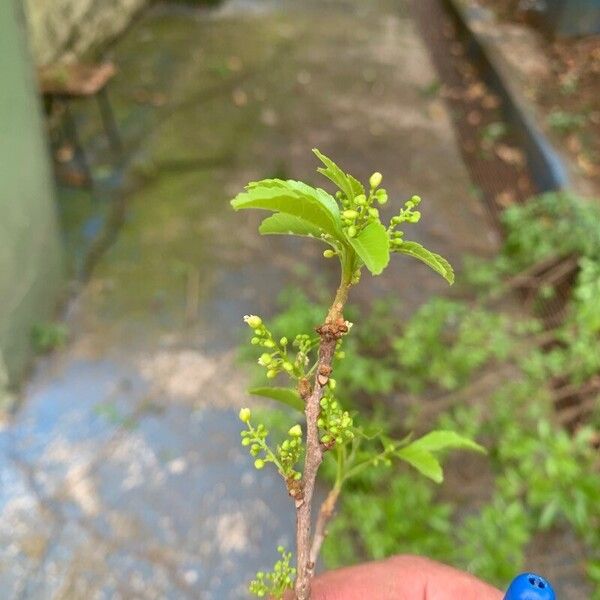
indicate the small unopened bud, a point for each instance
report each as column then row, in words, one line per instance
column 332, row 383
column 271, row 374
column 381, row 196
column 373, row 212
column 360, row 200
column 245, row 415
column 288, row 366
column 283, row 341
column 295, row 431
column 269, row 344
column 253, row 321
column 259, row 463
column 349, row 214
column 375, row 180
column 265, row 359
column 351, row 231
column 328, row 253
column 416, row 200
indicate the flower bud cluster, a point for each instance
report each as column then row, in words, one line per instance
column 286, row 455
column 290, row 451
column 305, row 344
column 277, row 359
column 255, row 439
column 408, row 214
column 276, row 582
column 335, row 423
column 359, row 211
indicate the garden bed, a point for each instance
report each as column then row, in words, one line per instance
column 559, row 79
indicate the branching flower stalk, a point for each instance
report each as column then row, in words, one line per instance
column 350, row 224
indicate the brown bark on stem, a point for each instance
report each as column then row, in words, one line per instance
column 325, row 514
column 333, row 328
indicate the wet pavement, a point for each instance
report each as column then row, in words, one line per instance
column 121, row 473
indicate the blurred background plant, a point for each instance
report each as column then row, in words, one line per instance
column 543, row 472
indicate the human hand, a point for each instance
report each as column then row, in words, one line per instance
column 401, row 578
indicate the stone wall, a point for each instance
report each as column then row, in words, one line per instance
column 31, row 273
column 59, row 29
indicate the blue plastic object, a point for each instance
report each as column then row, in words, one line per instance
column 529, row 586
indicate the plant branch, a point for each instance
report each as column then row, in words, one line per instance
column 325, row 514
column 333, row 328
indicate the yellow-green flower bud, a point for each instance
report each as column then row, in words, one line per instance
column 351, row 231
column 265, row 359
column 375, row 179
column 288, row 366
column 245, row 415
column 332, row 383
column 283, row 341
column 269, row 344
column 253, row 321
column 259, row 463
column 373, row 212
column 271, row 373
column 360, row 200
column 350, row 214
column 416, row 200
column 328, row 253
column 295, row 431
column 381, row 196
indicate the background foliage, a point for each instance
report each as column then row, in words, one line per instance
column 541, row 476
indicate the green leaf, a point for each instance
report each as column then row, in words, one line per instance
column 420, row 455
column 549, row 514
column 435, row 261
column 284, row 224
column 422, row 460
column 283, row 395
column 357, row 186
column 443, row 440
column 294, row 198
column 350, row 186
column 372, row 244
